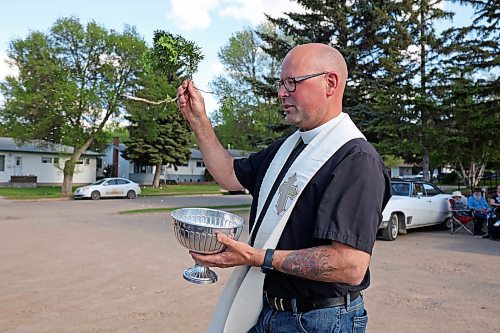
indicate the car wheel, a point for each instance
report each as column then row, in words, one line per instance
column 96, row 195
column 391, row 231
column 131, row 194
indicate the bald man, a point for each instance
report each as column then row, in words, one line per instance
column 318, row 197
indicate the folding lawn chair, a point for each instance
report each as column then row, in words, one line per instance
column 463, row 218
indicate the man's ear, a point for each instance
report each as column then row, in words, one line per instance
column 332, row 81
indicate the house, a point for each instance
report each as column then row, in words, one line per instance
column 193, row 171
column 401, row 170
column 44, row 160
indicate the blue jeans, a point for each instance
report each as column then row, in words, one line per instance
column 336, row 319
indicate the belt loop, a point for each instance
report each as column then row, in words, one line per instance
column 294, row 306
column 348, row 301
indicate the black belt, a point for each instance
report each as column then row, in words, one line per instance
column 302, row 305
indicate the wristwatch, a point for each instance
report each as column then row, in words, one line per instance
column 267, row 266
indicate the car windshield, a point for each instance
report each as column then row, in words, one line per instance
column 99, row 182
column 402, row 189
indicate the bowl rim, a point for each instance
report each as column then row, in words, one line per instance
column 239, row 218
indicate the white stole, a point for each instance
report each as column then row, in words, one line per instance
column 241, row 301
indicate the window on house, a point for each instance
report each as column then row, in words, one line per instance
column 2, row 162
column 99, row 162
column 143, row 168
column 200, row 164
column 55, row 160
column 80, row 161
column 185, row 164
column 46, row 159
column 87, row 161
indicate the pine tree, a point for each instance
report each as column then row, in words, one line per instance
column 370, row 34
column 159, row 135
column 471, row 92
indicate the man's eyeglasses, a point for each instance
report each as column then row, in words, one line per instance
column 290, row 83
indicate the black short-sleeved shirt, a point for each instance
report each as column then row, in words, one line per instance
column 343, row 202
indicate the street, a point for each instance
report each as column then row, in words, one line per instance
column 79, row 266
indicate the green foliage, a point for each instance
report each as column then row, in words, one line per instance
column 70, row 83
column 172, row 56
column 249, row 113
column 392, row 161
column 372, row 36
column 159, row 135
column 470, row 93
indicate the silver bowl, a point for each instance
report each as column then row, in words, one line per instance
column 195, row 229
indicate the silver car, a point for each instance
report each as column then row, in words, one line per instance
column 109, row 187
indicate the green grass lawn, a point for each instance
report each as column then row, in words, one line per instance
column 181, row 189
column 49, row 192
column 41, row 192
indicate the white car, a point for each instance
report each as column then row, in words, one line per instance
column 109, row 187
column 413, row 204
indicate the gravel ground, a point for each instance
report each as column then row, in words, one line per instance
column 78, row 266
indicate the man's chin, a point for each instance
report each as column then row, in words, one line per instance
column 292, row 120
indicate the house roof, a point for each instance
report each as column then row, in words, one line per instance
column 38, row 146
column 196, row 154
column 239, row 153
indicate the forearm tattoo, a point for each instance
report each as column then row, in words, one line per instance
column 313, row 263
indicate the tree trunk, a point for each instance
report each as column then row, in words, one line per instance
column 425, row 164
column 156, row 179
column 473, row 175
column 69, row 167
column 67, row 183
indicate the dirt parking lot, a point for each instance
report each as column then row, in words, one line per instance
column 79, row 266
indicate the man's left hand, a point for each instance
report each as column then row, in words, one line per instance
column 235, row 254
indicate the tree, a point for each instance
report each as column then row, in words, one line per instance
column 471, row 92
column 410, row 123
column 69, row 84
column 249, row 110
column 159, row 134
column 370, row 34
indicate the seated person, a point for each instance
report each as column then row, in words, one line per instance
column 494, row 220
column 495, row 201
column 478, row 203
column 457, row 204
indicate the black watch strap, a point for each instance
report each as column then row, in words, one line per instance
column 267, row 266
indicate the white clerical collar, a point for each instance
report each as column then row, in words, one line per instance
column 308, row 136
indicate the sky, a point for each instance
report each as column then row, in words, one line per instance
column 209, row 23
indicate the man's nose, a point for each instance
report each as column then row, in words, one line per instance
column 282, row 92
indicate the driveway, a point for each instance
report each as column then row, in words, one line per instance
column 79, row 266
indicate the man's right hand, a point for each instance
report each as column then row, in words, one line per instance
column 190, row 102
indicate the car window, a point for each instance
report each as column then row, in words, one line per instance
column 110, row 182
column 431, row 190
column 402, row 189
column 99, row 182
column 122, row 182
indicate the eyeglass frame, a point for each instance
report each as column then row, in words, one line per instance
column 281, row 82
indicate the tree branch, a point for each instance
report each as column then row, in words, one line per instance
column 139, row 99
